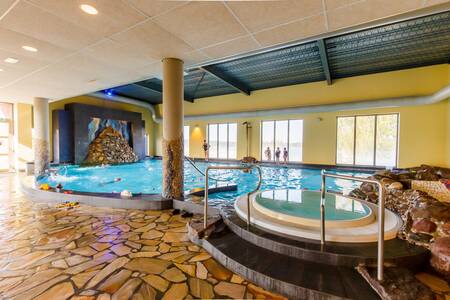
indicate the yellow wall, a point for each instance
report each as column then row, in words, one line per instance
column 424, row 130
column 146, row 115
column 24, row 119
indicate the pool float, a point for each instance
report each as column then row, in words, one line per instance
column 44, row 187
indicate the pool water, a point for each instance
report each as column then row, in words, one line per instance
column 304, row 204
column 146, row 177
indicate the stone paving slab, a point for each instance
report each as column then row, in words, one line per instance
column 89, row 252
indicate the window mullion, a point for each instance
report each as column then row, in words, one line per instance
column 354, row 139
column 375, row 142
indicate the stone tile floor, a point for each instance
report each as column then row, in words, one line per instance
column 87, row 252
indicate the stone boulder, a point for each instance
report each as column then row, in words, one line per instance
column 249, row 160
column 110, row 147
column 426, row 220
column 440, row 256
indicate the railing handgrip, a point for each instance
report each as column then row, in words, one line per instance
column 205, row 207
column 380, row 251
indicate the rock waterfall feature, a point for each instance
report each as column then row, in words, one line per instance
column 110, row 147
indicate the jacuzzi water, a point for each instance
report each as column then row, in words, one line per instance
column 146, row 177
column 304, row 204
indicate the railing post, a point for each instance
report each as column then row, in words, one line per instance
column 205, row 207
column 322, row 208
column 380, row 262
column 380, row 250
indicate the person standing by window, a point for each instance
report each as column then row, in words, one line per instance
column 206, row 150
column 277, row 155
column 285, row 155
column 268, row 154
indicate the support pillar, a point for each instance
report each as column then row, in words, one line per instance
column 173, row 119
column 41, row 135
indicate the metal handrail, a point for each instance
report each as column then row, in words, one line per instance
column 201, row 172
column 235, row 167
column 380, row 254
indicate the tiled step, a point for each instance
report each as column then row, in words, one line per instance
column 397, row 251
column 288, row 276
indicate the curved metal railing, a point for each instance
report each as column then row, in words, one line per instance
column 380, row 254
column 202, row 173
column 235, row 167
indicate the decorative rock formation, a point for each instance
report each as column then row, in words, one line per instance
column 440, row 256
column 426, row 219
column 110, row 147
column 249, row 160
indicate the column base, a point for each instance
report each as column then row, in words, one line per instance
column 173, row 169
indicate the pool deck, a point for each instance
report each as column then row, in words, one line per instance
column 86, row 252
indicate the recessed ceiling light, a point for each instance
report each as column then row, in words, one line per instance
column 11, row 60
column 1, row 70
column 89, row 9
column 29, row 48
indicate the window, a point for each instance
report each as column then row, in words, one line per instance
column 186, row 140
column 222, row 139
column 283, row 134
column 367, row 140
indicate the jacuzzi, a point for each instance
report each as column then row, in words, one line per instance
column 296, row 213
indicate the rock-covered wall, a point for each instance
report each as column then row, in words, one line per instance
column 426, row 220
column 110, row 147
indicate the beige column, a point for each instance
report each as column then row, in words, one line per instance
column 40, row 135
column 172, row 143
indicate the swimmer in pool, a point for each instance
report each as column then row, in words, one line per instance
column 112, row 181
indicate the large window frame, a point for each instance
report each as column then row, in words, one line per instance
column 262, row 156
column 186, row 138
column 397, row 130
column 217, row 146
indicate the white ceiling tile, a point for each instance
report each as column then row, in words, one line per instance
column 201, row 24
column 153, row 40
column 112, row 17
column 117, row 54
column 233, row 47
column 39, row 24
column 259, row 15
column 5, row 5
column 155, row 7
column 370, row 10
column 13, row 41
column 293, row 31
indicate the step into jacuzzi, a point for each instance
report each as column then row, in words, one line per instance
column 296, row 213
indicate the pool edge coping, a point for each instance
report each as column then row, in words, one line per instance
column 28, row 188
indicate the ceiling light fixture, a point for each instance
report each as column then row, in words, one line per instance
column 11, row 60
column 29, row 48
column 89, row 9
column 1, row 70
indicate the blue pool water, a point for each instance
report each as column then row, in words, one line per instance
column 303, row 204
column 146, row 177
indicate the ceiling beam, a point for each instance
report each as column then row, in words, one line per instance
column 324, row 59
column 227, row 79
column 157, row 87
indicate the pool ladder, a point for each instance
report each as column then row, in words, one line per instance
column 380, row 252
column 232, row 167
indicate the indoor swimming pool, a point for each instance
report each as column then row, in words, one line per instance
column 146, row 177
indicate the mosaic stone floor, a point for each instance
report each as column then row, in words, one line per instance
column 86, row 252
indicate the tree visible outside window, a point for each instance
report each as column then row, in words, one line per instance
column 367, row 140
